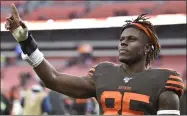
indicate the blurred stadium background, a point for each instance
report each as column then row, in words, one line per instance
column 75, row 35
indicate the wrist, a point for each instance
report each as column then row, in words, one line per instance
column 29, row 45
column 20, row 34
column 34, row 59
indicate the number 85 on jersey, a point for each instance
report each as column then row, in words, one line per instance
column 122, row 102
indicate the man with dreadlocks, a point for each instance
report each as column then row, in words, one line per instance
column 131, row 87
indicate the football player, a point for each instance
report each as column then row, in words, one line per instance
column 131, row 87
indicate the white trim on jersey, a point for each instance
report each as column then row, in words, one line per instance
column 176, row 112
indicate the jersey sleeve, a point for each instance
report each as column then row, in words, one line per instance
column 99, row 69
column 175, row 83
column 93, row 71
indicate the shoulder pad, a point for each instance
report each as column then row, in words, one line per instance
column 171, row 71
column 106, row 63
column 101, row 66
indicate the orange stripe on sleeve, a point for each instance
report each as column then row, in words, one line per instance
column 175, row 83
column 175, row 88
column 175, row 77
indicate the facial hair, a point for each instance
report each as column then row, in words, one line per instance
column 135, row 58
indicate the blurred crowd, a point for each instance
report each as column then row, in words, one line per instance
column 37, row 100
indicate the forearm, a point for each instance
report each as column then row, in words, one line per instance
column 67, row 84
column 47, row 73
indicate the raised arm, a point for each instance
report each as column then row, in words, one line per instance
column 74, row 86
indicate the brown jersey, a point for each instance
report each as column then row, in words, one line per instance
column 123, row 94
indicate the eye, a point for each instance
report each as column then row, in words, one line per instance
column 131, row 38
column 121, row 39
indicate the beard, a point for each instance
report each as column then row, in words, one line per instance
column 132, row 59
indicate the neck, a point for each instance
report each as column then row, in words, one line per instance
column 134, row 68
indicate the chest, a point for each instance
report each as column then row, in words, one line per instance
column 114, row 80
column 121, row 93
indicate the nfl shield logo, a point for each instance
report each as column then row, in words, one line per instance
column 127, row 79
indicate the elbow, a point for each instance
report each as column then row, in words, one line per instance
column 84, row 94
column 87, row 92
column 80, row 95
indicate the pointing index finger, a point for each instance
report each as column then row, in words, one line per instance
column 14, row 11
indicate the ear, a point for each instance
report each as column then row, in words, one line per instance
column 147, row 49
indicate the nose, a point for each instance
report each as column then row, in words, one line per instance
column 124, row 43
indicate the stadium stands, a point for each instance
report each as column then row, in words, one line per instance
column 168, row 8
column 90, row 9
column 112, row 10
column 56, row 13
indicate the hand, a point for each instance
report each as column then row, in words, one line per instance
column 13, row 21
column 16, row 26
column 31, row 53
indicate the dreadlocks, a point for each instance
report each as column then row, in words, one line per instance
column 142, row 23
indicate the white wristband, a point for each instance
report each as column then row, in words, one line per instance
column 161, row 112
column 20, row 34
column 34, row 59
